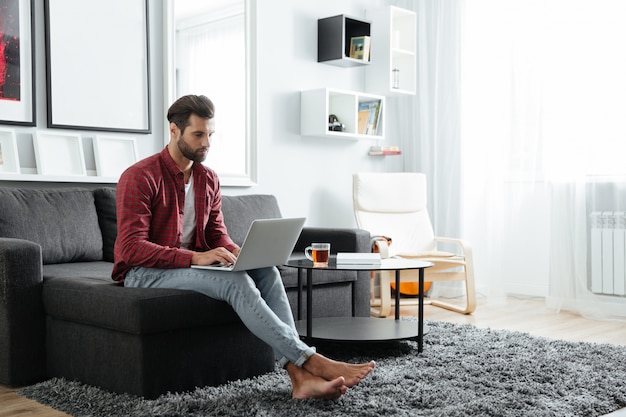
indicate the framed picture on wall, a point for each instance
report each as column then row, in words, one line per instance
column 97, row 71
column 9, row 162
column 17, row 63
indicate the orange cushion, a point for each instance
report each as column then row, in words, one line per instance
column 410, row 288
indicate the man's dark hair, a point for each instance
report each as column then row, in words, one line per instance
column 182, row 108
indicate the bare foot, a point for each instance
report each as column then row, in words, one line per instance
column 330, row 369
column 306, row 385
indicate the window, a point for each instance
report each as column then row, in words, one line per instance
column 212, row 56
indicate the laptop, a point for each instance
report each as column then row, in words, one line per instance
column 269, row 242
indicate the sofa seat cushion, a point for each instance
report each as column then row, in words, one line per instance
column 84, row 293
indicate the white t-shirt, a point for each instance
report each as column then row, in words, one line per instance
column 189, row 216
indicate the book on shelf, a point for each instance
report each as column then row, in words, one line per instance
column 360, row 48
column 369, row 117
column 377, row 117
column 353, row 258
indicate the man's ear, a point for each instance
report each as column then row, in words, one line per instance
column 173, row 129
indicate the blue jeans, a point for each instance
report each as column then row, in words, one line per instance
column 257, row 296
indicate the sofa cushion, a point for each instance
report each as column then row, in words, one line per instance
column 84, row 292
column 240, row 211
column 62, row 221
column 107, row 219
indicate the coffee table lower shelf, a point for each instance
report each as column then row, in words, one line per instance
column 359, row 329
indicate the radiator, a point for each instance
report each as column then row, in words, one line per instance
column 608, row 252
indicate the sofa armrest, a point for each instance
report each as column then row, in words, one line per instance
column 22, row 318
column 341, row 240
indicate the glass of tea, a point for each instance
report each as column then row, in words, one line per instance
column 318, row 253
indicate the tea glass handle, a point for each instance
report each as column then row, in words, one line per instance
column 307, row 253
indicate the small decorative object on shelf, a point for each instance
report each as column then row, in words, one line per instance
column 334, row 124
column 360, row 48
column 383, row 151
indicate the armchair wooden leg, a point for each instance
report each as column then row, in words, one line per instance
column 385, row 297
column 468, row 309
column 376, row 312
column 470, row 296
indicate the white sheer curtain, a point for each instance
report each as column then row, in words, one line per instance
column 206, row 55
column 543, row 140
column 427, row 125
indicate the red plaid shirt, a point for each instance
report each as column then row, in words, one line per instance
column 150, row 203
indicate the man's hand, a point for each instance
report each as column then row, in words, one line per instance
column 217, row 255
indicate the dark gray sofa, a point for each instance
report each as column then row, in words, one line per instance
column 61, row 314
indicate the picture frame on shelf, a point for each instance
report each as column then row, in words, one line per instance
column 113, row 155
column 17, row 49
column 59, row 154
column 113, row 65
column 360, row 48
column 9, row 160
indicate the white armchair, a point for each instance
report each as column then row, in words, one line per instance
column 394, row 205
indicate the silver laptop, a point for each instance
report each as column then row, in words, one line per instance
column 269, row 242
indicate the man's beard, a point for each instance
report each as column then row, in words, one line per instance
column 189, row 153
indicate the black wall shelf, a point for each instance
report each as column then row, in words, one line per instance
column 333, row 39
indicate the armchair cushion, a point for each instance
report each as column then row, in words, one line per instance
column 387, row 193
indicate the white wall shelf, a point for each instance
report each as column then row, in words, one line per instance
column 91, row 177
column 393, row 47
column 59, row 157
column 317, row 105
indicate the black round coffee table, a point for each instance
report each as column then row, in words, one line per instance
column 360, row 329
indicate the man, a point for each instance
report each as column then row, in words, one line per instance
column 169, row 217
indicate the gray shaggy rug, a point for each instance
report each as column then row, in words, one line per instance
column 463, row 371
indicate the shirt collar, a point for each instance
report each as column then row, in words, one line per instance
column 171, row 166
